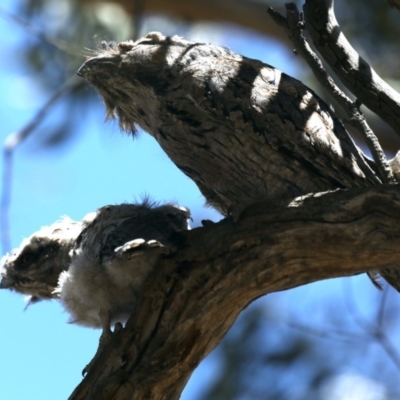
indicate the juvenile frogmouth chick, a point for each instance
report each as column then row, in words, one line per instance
column 112, row 257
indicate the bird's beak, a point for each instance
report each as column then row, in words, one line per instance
column 84, row 68
column 6, row 283
column 96, row 63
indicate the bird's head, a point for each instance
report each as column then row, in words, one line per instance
column 132, row 77
column 34, row 267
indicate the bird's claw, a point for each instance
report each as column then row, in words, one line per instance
column 134, row 247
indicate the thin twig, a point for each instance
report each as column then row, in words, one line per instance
column 10, row 144
column 381, row 308
column 58, row 43
column 352, row 70
column 15, row 138
column 329, row 334
column 372, row 329
column 293, row 25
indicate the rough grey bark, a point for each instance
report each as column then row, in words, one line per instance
column 194, row 298
column 244, row 132
column 294, row 25
column 358, row 76
column 241, row 129
column 388, row 171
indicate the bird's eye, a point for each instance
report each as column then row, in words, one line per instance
column 123, row 47
column 28, row 258
column 178, row 219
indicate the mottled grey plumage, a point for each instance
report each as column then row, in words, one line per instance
column 114, row 254
column 242, row 130
column 35, row 266
column 97, row 264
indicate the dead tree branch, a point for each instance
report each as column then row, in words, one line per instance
column 355, row 73
column 293, row 25
column 195, row 296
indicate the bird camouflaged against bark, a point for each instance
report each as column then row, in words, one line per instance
column 96, row 267
column 243, row 131
column 113, row 256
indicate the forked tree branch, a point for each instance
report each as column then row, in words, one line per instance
column 195, row 296
column 293, row 25
column 358, row 76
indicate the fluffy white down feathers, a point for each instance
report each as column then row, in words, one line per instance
column 105, row 262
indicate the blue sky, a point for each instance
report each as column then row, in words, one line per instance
column 41, row 354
